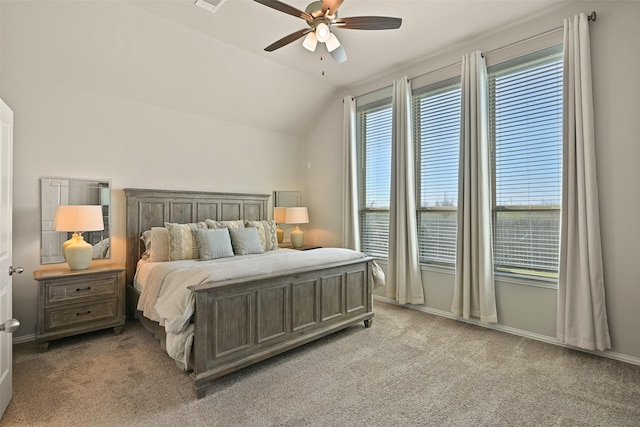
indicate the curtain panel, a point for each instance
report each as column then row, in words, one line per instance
column 350, row 222
column 474, row 289
column 404, row 282
column 581, row 316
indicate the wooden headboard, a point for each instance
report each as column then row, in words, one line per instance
column 152, row 208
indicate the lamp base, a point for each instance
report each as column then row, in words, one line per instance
column 280, row 234
column 78, row 254
column 73, row 238
column 297, row 237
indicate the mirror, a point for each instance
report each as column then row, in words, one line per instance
column 60, row 191
column 286, row 199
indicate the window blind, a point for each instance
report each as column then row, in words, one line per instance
column 437, row 138
column 375, row 136
column 525, row 129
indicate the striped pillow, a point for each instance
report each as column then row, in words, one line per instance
column 183, row 243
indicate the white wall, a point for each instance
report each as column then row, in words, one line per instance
column 101, row 90
column 615, row 61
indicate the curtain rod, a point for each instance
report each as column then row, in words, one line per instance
column 591, row 18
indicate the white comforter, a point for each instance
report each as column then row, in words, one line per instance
column 166, row 299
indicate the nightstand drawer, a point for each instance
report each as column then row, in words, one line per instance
column 81, row 313
column 74, row 289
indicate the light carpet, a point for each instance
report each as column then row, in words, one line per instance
column 409, row 369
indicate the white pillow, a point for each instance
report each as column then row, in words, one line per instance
column 156, row 243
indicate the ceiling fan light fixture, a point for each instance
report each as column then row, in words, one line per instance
column 322, row 32
column 332, row 43
column 310, row 42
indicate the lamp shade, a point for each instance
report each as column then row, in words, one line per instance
column 79, row 218
column 332, row 43
column 310, row 42
column 296, row 215
column 279, row 214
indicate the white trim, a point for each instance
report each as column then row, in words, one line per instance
column 24, row 338
column 377, row 95
column 502, row 328
column 436, row 76
column 523, row 47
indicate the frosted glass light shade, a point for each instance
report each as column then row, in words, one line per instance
column 332, row 43
column 310, row 42
column 322, row 32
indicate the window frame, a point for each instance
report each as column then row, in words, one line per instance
column 545, row 278
column 376, row 101
column 432, row 89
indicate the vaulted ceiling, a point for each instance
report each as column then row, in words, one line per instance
column 428, row 26
column 306, row 81
column 173, row 54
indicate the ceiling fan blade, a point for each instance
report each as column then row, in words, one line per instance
column 331, row 5
column 287, row 39
column 339, row 55
column 369, row 23
column 283, row 7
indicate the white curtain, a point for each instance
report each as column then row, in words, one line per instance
column 474, row 291
column 582, row 315
column 350, row 223
column 404, row 283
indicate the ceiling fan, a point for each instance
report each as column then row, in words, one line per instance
column 320, row 16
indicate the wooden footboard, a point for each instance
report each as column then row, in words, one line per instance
column 238, row 323
column 241, row 322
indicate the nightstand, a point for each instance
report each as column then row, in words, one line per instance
column 75, row 302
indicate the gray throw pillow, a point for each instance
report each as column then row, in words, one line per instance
column 246, row 241
column 214, row 244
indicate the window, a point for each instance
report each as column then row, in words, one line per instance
column 525, row 131
column 375, row 178
column 436, row 110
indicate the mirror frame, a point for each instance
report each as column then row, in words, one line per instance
column 287, row 199
column 63, row 191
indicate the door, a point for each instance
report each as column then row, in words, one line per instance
column 7, row 324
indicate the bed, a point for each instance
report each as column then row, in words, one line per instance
column 237, row 322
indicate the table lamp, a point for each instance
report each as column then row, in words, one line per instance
column 278, row 217
column 78, row 219
column 296, row 216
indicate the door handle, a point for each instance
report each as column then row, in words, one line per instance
column 9, row 326
column 17, row 270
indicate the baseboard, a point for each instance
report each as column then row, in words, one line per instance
column 24, row 338
column 538, row 337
